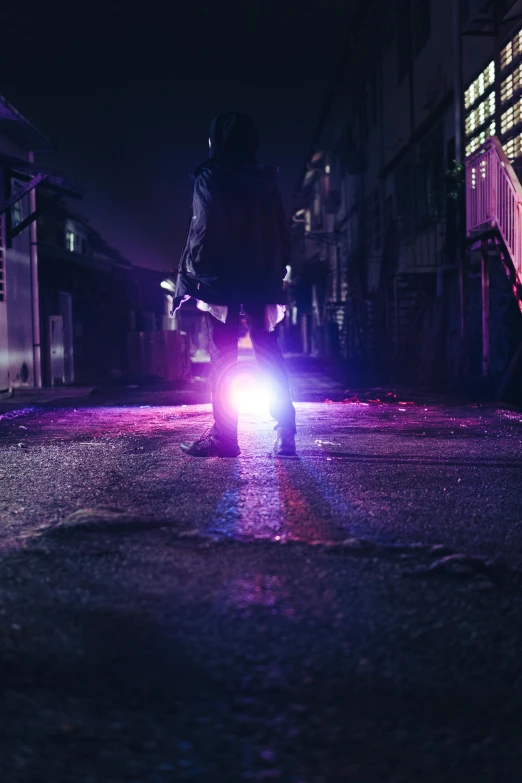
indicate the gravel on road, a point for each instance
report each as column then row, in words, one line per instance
column 354, row 614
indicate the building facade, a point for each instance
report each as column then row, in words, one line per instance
column 73, row 310
column 83, row 290
column 380, row 210
column 103, row 320
column 20, row 178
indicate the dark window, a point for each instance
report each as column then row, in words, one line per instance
column 317, row 211
column 430, row 179
column 377, row 241
column 405, row 196
column 388, row 211
column 40, row 222
column 60, row 236
column 404, row 38
column 371, row 99
column 352, row 154
column 362, row 118
column 17, row 210
column 421, row 23
column 83, row 246
column 455, row 197
column 372, row 222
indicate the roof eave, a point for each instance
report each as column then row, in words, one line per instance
column 15, row 126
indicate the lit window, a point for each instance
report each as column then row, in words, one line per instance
column 506, row 55
column 69, row 240
column 16, row 214
column 471, row 122
column 478, row 116
column 506, row 121
column 511, row 50
column 479, row 122
column 327, row 168
column 513, row 147
column 511, row 85
column 469, row 96
column 471, row 147
column 511, row 117
column 506, row 89
column 480, row 85
column 517, row 78
column 517, row 44
column 474, row 143
column 517, row 152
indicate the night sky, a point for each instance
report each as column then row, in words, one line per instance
column 126, row 91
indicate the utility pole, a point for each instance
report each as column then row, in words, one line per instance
column 37, row 354
column 485, row 310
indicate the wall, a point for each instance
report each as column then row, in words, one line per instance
column 392, row 160
column 18, row 309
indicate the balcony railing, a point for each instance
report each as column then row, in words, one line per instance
column 494, row 199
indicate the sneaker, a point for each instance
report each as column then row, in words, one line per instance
column 284, row 445
column 207, row 446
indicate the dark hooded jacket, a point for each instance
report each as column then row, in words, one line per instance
column 238, row 243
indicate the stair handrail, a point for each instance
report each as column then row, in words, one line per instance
column 494, row 198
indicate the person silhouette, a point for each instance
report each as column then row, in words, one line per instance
column 234, row 260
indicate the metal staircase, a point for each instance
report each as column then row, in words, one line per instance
column 494, row 225
column 494, row 208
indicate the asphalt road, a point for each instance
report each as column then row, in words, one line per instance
column 354, row 614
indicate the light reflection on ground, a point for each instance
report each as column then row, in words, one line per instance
column 429, row 471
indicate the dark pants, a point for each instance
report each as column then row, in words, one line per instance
column 223, row 349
